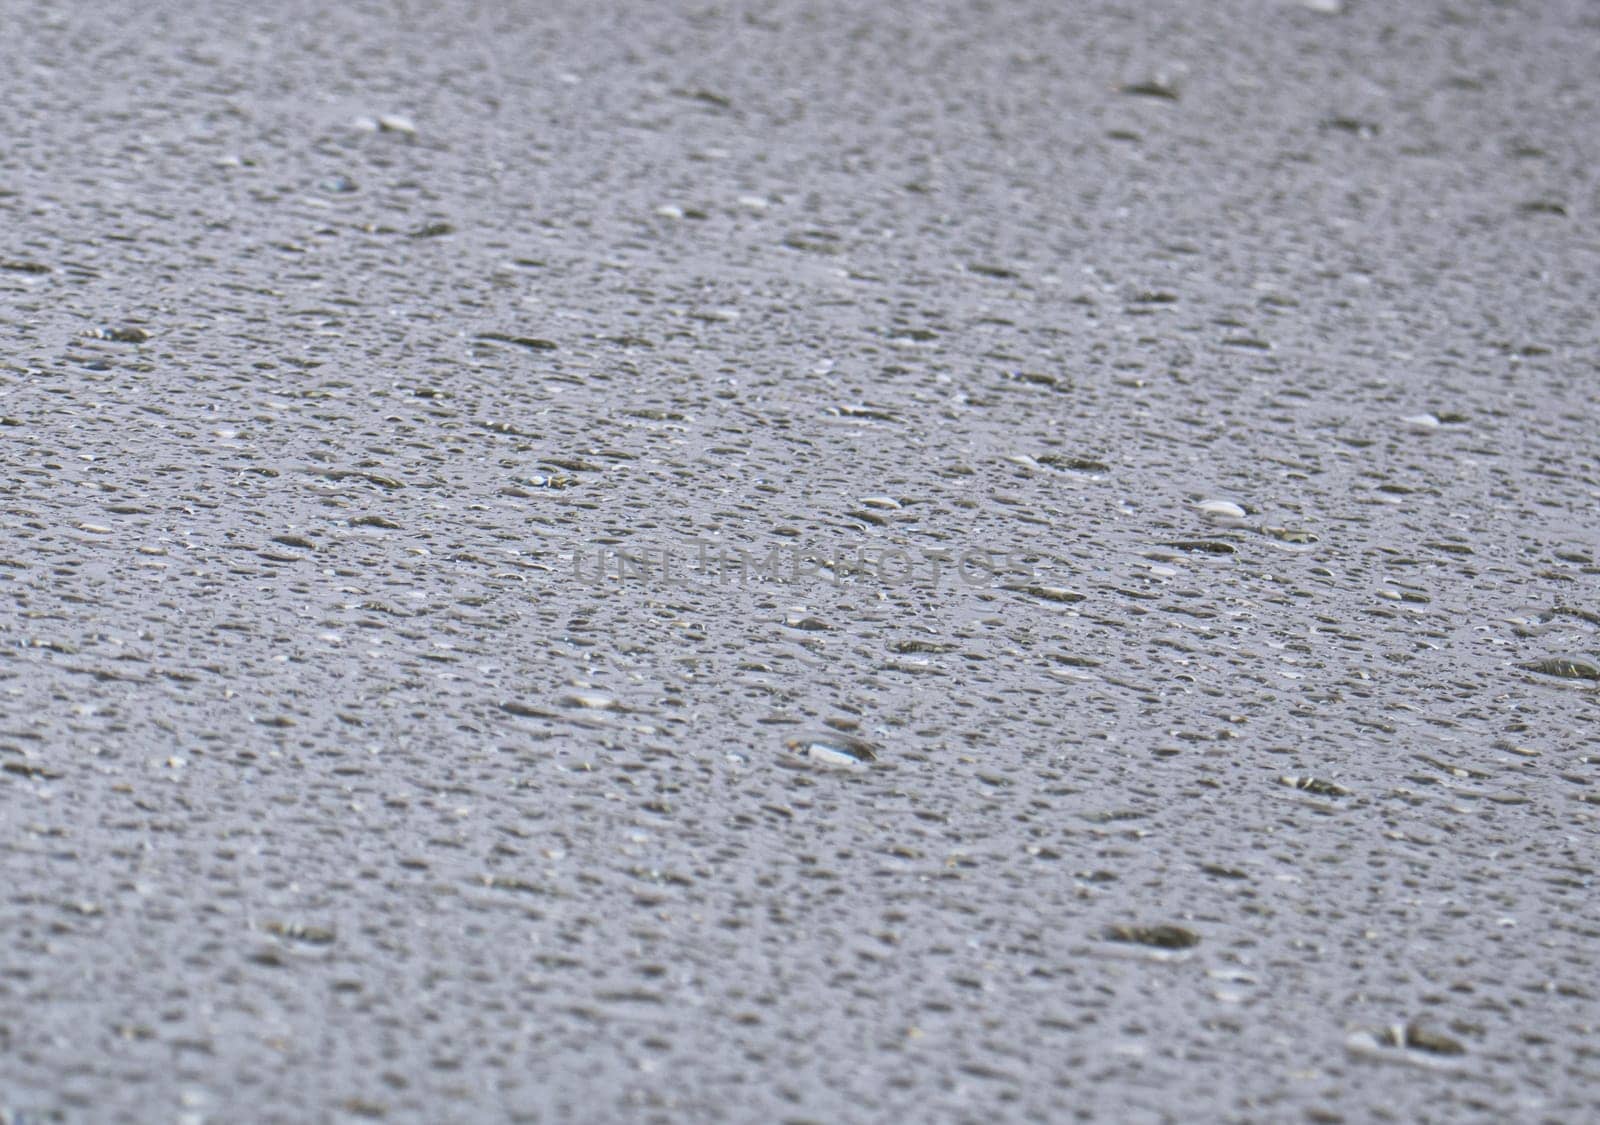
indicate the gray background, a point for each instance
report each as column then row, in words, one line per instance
column 332, row 790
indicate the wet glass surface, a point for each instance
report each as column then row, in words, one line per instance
column 799, row 561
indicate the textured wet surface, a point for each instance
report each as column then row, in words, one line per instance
column 1158, row 681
